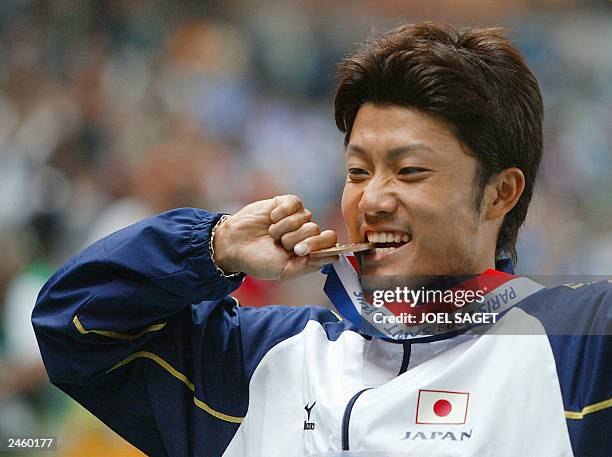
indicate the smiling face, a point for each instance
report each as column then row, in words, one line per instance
column 411, row 185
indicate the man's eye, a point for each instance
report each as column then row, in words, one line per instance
column 357, row 172
column 411, row 170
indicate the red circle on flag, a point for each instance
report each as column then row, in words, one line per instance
column 442, row 408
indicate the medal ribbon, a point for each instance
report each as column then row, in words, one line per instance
column 500, row 292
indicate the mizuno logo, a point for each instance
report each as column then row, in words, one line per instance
column 309, row 409
column 307, row 424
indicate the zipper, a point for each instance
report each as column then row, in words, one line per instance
column 347, row 417
column 406, row 357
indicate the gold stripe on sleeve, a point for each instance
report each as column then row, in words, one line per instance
column 589, row 409
column 181, row 377
column 117, row 335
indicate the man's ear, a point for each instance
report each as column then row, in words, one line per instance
column 502, row 192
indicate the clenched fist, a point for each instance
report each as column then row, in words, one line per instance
column 271, row 239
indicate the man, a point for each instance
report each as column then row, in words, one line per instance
column 444, row 138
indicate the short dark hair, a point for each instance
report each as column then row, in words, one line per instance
column 474, row 79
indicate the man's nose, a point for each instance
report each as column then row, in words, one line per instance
column 378, row 197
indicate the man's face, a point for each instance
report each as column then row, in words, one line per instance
column 411, row 185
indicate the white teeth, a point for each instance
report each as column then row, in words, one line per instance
column 387, row 237
column 383, row 250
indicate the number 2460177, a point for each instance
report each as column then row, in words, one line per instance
column 42, row 443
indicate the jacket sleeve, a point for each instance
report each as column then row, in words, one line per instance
column 120, row 292
column 578, row 321
column 140, row 330
column 130, row 326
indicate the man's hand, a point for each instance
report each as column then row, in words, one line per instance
column 271, row 239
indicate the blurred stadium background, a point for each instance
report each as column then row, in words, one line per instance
column 114, row 110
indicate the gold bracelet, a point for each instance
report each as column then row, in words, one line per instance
column 212, row 249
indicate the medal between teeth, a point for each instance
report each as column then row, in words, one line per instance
column 343, row 249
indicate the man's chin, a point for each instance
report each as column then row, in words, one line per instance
column 413, row 274
column 378, row 276
column 391, row 281
column 384, row 267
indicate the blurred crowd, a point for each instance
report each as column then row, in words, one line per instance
column 111, row 111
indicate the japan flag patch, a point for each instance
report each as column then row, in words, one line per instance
column 442, row 407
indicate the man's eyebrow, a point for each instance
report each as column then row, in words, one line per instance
column 353, row 149
column 394, row 153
